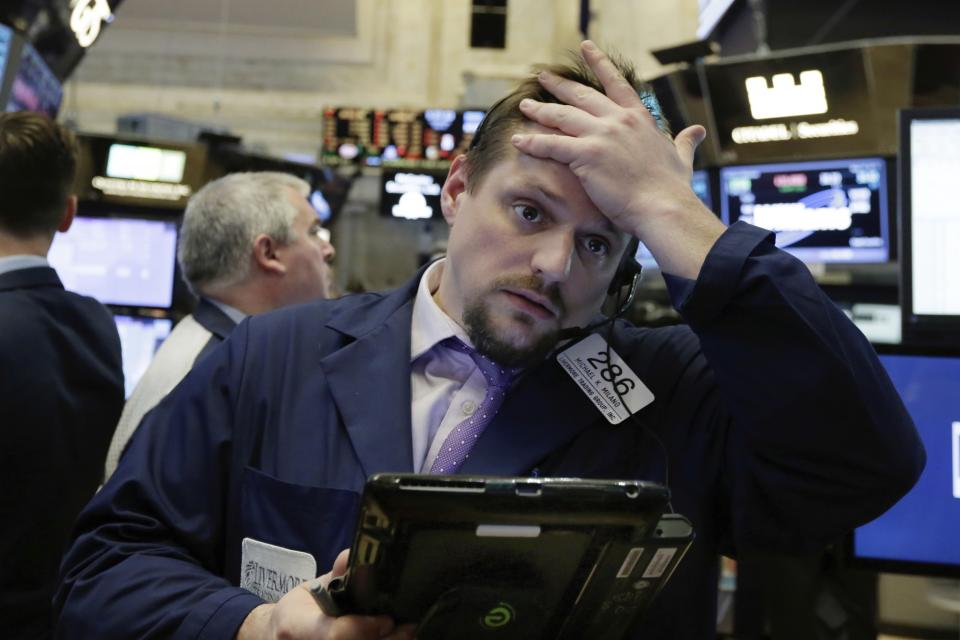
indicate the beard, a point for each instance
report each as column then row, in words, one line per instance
column 478, row 322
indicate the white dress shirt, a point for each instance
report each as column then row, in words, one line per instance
column 17, row 262
column 446, row 387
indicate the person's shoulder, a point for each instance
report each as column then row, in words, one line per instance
column 317, row 312
column 90, row 305
column 57, row 304
column 51, row 324
column 90, row 311
column 673, row 343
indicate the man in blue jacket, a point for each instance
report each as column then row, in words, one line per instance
column 781, row 430
column 61, row 378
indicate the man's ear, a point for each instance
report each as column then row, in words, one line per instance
column 453, row 188
column 69, row 213
column 265, row 255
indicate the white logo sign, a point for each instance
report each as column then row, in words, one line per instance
column 414, row 188
column 87, row 18
column 794, row 131
column 786, row 98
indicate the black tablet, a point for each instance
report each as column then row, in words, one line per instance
column 509, row 558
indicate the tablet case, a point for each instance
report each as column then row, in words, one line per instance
column 509, row 558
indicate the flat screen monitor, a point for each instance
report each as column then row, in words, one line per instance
column 139, row 340
column 6, row 42
column 919, row 534
column 408, row 194
column 879, row 323
column 137, row 162
column 700, row 182
column 831, row 211
column 35, row 87
column 701, row 186
column 118, row 261
column 928, row 168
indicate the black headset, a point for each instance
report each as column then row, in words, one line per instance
column 627, row 275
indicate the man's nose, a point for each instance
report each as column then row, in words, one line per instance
column 328, row 251
column 553, row 255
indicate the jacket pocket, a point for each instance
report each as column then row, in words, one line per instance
column 316, row 520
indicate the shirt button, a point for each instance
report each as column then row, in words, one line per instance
column 468, row 407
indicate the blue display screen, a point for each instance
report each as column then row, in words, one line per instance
column 139, row 340
column 35, row 87
column 120, row 261
column 822, row 212
column 6, row 38
column 924, row 527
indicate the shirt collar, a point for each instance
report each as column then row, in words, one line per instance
column 430, row 324
column 231, row 312
column 15, row 263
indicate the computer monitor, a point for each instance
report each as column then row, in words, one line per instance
column 928, row 168
column 411, row 195
column 118, row 261
column 35, row 87
column 830, row 211
column 139, row 340
column 919, row 534
column 700, row 182
column 6, row 43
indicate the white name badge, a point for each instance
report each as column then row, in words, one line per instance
column 601, row 378
column 270, row 571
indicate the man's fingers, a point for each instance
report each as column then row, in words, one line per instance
column 354, row 627
column 579, row 95
column 571, row 120
column 687, row 142
column 403, row 632
column 547, row 145
column 340, row 564
column 614, row 84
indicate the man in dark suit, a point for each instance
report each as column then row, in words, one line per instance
column 771, row 420
column 61, row 380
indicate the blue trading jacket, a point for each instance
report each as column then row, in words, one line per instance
column 781, row 427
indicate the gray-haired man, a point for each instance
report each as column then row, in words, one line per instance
column 249, row 243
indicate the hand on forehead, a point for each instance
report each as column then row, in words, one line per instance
column 610, row 141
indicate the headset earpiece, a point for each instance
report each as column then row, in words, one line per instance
column 627, row 270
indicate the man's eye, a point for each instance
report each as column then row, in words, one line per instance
column 597, row 246
column 527, row 212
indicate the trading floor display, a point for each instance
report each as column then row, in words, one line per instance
column 919, row 533
column 930, row 225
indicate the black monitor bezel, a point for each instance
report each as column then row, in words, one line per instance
column 886, row 565
column 917, row 328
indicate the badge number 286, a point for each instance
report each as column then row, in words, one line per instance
column 611, row 372
column 604, row 377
